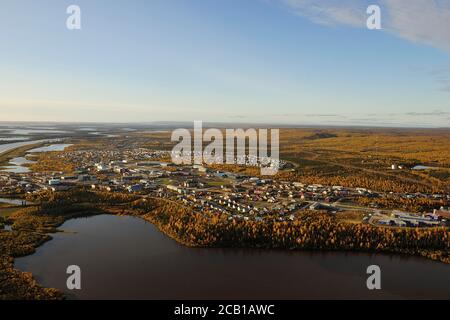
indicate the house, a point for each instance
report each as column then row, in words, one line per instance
column 54, row 182
column 84, row 177
column 119, row 169
column 414, row 220
column 200, row 168
column 101, row 167
column 68, row 178
column 393, row 222
column 60, row 188
column 135, row 188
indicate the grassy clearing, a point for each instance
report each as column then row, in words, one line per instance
column 6, row 212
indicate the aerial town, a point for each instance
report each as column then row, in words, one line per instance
column 324, row 196
column 205, row 189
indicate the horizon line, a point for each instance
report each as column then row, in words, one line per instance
column 258, row 124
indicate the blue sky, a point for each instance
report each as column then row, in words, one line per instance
column 280, row 61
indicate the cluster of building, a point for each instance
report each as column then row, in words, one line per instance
column 142, row 172
column 105, row 169
column 439, row 217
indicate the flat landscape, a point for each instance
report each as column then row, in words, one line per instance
column 375, row 190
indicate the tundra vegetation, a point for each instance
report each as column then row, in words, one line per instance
column 341, row 157
column 311, row 231
column 364, row 158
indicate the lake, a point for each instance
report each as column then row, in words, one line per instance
column 17, row 164
column 6, row 139
column 51, row 148
column 35, row 131
column 422, row 167
column 129, row 258
column 17, row 202
column 15, row 169
column 19, row 161
column 10, row 146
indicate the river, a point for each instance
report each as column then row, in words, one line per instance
column 10, row 146
column 17, row 165
column 128, row 258
column 17, row 202
column 51, row 148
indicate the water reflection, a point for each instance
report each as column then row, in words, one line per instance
column 35, row 131
column 17, row 202
column 10, row 146
column 51, row 148
column 18, row 164
column 128, row 258
column 13, row 138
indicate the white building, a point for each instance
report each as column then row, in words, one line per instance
column 54, row 182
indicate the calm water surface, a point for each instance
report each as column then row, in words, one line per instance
column 421, row 167
column 128, row 258
column 10, row 146
column 17, row 164
column 13, row 139
column 53, row 147
column 14, row 201
column 35, row 131
column 19, row 161
column 15, row 169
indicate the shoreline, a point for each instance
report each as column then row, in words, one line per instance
column 38, row 227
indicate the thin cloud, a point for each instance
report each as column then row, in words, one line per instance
column 348, row 12
column 432, row 113
column 442, row 77
column 238, row 116
column 309, row 115
column 434, row 118
column 325, row 115
column 418, row 21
